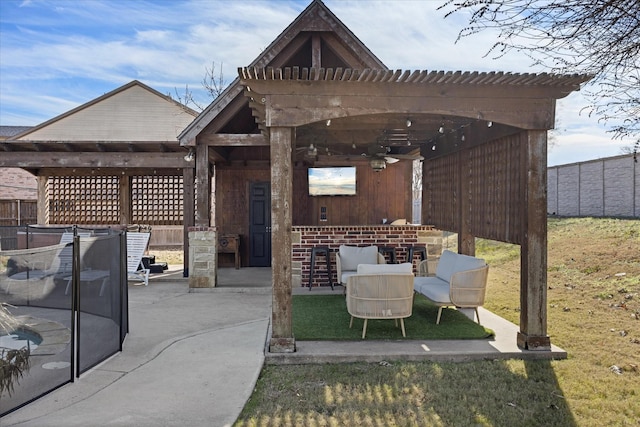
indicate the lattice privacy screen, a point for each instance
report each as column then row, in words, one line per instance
column 84, row 200
column 155, row 200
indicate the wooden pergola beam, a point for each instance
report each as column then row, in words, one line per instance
column 234, row 140
column 90, row 160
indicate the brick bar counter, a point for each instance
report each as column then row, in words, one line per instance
column 400, row 237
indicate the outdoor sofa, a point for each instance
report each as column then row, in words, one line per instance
column 460, row 281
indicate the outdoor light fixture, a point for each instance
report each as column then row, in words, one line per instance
column 489, row 124
column 441, row 130
column 329, row 122
column 409, row 123
column 312, row 151
column 190, row 156
column 378, row 164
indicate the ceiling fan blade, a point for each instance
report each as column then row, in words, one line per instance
column 406, row 156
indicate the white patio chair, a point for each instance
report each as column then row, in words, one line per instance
column 136, row 246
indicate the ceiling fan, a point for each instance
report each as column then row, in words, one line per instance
column 311, row 151
column 379, row 155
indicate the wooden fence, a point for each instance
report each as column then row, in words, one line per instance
column 598, row 188
column 18, row 212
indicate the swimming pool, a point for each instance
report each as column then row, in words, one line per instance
column 20, row 338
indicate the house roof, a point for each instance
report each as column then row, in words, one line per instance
column 100, row 99
column 11, row 131
column 315, row 18
column 133, row 117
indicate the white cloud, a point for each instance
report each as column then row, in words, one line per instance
column 58, row 55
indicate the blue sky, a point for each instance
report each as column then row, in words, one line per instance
column 58, row 54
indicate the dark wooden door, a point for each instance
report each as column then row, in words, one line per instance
column 260, row 225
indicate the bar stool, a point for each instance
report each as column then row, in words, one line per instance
column 326, row 252
column 416, row 250
column 391, row 251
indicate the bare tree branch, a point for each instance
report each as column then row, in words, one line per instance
column 213, row 84
column 597, row 37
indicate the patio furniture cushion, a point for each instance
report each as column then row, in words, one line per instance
column 451, row 262
column 355, row 256
column 460, row 281
column 434, row 288
column 351, row 256
column 406, row 267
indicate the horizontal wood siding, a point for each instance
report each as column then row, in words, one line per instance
column 134, row 114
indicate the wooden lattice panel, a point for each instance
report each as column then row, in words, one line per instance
column 83, row 200
column 496, row 192
column 440, row 205
column 157, row 200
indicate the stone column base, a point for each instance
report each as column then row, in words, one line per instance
column 203, row 252
column 282, row 345
column 535, row 343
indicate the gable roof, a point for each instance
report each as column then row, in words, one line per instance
column 315, row 18
column 117, row 115
column 11, row 131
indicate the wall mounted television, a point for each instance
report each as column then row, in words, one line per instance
column 332, row 181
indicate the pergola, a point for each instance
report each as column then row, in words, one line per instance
column 483, row 137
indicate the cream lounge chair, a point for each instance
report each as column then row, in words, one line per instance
column 136, row 246
column 349, row 257
column 380, row 292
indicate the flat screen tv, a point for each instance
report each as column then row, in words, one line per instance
column 336, row 181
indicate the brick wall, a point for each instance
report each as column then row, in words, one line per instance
column 398, row 237
column 17, row 184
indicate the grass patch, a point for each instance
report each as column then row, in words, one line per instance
column 325, row 317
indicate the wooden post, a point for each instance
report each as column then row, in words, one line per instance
column 126, row 208
column 281, row 139
column 188, row 214
column 42, row 205
column 533, row 253
column 203, row 184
